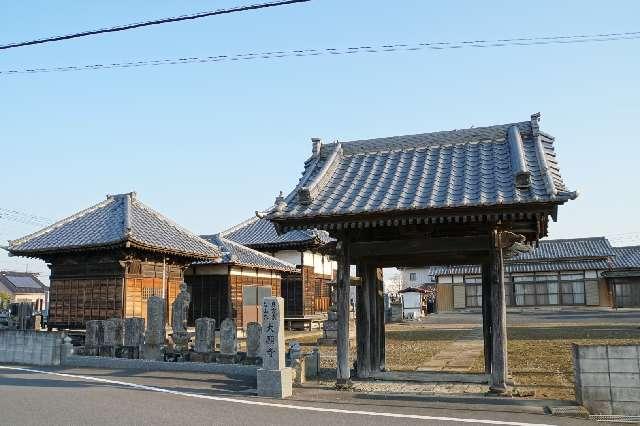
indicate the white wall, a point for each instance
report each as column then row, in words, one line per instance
column 207, row 270
column 411, row 305
column 421, row 277
column 291, row 256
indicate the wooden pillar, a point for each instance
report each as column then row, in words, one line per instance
column 498, row 383
column 486, row 316
column 343, row 373
column 380, row 366
column 363, row 324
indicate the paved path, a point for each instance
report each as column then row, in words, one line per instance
column 459, row 355
column 39, row 396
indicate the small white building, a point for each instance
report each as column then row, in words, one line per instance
column 413, row 302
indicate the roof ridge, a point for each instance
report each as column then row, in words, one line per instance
column 169, row 222
column 574, row 239
column 258, row 253
column 62, row 222
column 246, row 222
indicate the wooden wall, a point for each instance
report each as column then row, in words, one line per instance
column 444, row 298
column 240, row 277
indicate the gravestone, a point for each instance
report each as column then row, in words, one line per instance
column 154, row 337
column 133, row 336
column 94, row 336
column 179, row 312
column 254, row 330
column 274, row 379
column 228, row 341
column 108, row 346
column 205, row 335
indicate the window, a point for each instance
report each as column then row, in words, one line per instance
column 536, row 290
column 412, row 276
column 473, row 295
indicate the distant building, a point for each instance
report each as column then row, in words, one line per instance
column 624, row 277
column 24, row 287
column 568, row 272
column 306, row 290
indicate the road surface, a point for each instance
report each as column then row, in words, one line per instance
column 54, row 396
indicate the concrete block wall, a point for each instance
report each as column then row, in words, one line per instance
column 30, row 347
column 607, row 378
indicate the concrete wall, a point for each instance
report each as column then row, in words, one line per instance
column 30, row 347
column 607, row 378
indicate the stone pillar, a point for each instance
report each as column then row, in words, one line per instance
column 94, row 336
column 254, row 331
column 498, row 382
column 228, row 341
column 274, row 379
column 133, row 336
column 108, row 346
column 205, row 335
column 343, row 371
column 154, row 338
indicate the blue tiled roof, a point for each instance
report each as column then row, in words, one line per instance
column 626, row 257
column 514, row 267
column 21, row 282
column 260, row 233
column 237, row 254
column 114, row 221
column 460, row 168
column 574, row 248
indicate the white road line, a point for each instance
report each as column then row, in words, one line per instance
column 274, row 404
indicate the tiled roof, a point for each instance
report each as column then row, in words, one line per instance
column 575, row 248
column 115, row 221
column 626, row 257
column 260, row 233
column 512, row 267
column 237, row 254
column 21, row 282
column 478, row 167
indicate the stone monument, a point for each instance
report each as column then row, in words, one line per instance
column 228, row 341
column 154, row 336
column 274, row 379
column 254, row 330
column 133, row 336
column 180, row 310
column 205, row 335
column 94, row 337
column 108, row 346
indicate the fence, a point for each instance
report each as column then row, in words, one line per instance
column 30, row 347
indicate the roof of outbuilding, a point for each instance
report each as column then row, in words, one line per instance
column 475, row 167
column 526, row 267
column 21, row 282
column 626, row 257
column 261, row 233
column 115, row 221
column 237, row 254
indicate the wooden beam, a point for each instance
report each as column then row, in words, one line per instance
column 486, row 315
column 498, row 319
column 417, row 246
column 343, row 373
column 363, row 324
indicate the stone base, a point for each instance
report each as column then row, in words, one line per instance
column 323, row 341
column 152, row 352
column 228, row 359
column 275, row 383
column 202, row 357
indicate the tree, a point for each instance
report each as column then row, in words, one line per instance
column 5, row 300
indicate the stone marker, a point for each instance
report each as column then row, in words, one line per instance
column 154, row 336
column 108, row 338
column 179, row 312
column 94, row 336
column 274, row 379
column 133, row 336
column 254, row 330
column 205, row 335
column 228, row 337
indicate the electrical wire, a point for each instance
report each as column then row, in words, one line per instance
column 149, row 23
column 522, row 41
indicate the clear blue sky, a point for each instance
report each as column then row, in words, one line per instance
column 207, row 144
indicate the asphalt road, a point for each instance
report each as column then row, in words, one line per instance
column 106, row 397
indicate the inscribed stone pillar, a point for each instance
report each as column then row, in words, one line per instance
column 118, row 324
column 156, row 331
column 133, row 331
column 108, row 337
column 274, row 379
column 228, row 337
column 205, row 335
column 254, row 331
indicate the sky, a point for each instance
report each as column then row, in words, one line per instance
column 208, row 144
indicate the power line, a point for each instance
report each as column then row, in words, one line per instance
column 522, row 41
column 151, row 22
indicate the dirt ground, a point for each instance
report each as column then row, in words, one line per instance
column 540, row 356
